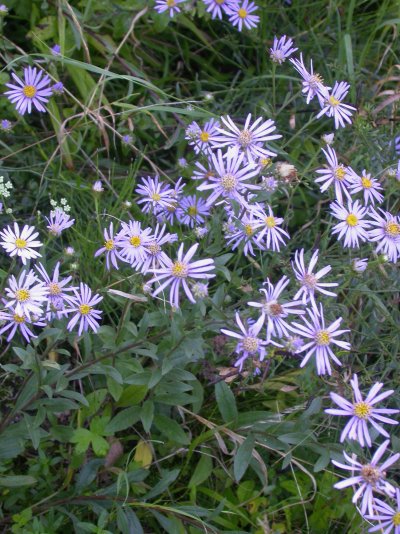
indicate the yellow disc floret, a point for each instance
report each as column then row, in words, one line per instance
column 333, row 101
column 20, row 243
column 135, row 241
column 109, row 244
column 362, row 410
column 204, row 136
column 270, row 222
column 54, row 288
column 171, row 3
column 18, row 318
column 366, row 182
column 180, row 269
column 228, row 182
column 156, row 197
column 250, row 344
column 29, row 91
column 392, row 229
column 396, row 519
column 340, row 173
column 248, row 229
column 242, row 13
column 352, row 220
column 22, row 295
column 323, row 338
column 84, row 309
column 192, row 211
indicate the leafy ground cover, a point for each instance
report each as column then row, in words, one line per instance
column 150, row 416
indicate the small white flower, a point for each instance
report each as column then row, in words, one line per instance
column 20, row 243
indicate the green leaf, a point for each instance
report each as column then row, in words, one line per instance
column 123, row 420
column 202, row 471
column 243, row 457
column 82, row 437
column 147, row 414
column 16, row 481
column 132, row 395
column 114, row 388
column 100, row 445
column 226, row 402
column 171, row 429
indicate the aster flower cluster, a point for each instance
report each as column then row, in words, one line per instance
column 241, row 13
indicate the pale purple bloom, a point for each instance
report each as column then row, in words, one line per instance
column 132, row 241
column 218, row 7
column 398, row 171
column 281, row 49
column 335, row 174
column 192, row 211
column 97, row 187
column 362, row 412
column 249, row 140
column 58, row 88
column 271, row 235
column 334, row 107
column 26, row 295
column 155, row 194
column 3, row 9
column 14, row 321
column 243, row 231
column 241, row 15
column 203, row 173
column 353, row 226
column 388, row 518
column 293, row 344
column 371, row 477
column 269, row 184
column 178, row 188
column 127, row 139
column 56, row 50
column 308, row 280
column 6, row 125
column 229, row 179
column 58, row 221
column 176, row 273
column 182, row 163
column 386, row 233
column 156, row 256
column 82, row 305
column 249, row 344
column 369, row 186
column 200, row 231
column 274, row 311
column 109, row 248
column 165, row 5
column 321, row 338
column 33, row 90
column 312, row 81
column 57, row 293
column 20, row 243
column 359, row 265
column 202, row 139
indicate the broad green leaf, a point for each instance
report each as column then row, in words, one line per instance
column 123, row 420
column 16, row 481
column 132, row 395
column 243, row 457
column 226, row 402
column 171, row 429
column 202, row 471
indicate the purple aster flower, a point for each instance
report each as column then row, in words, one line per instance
column 82, row 306
column 243, row 230
column 312, row 81
column 3, row 10
column 274, row 311
column 203, row 139
column 269, row 184
column 33, row 90
column 353, row 226
column 230, row 178
column 369, row 186
column 334, row 107
column 14, row 321
column 371, row 477
column 132, row 241
column 165, row 5
column 218, row 7
column 57, row 293
column 249, row 140
column 20, row 243
column 109, row 248
column 271, row 234
column 97, row 187
column 177, row 272
column 127, row 139
column 293, row 344
column 398, row 171
column 192, row 211
column 249, row 344
column 156, row 194
column 203, row 173
column 241, row 15
column 362, row 412
column 182, row 163
column 281, row 49
column 321, row 338
column 335, row 174
column 359, row 265
column 56, row 50
column 58, row 221
column 309, row 281
column 177, row 191
column 388, row 518
column 156, row 256
column 58, row 88
column 26, row 295
column 386, row 233
column 5, row 125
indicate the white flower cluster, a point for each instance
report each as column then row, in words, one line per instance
column 5, row 187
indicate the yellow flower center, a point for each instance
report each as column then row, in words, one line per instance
column 156, row 197
column 351, row 220
column 204, row 136
column 135, row 241
column 242, row 13
column 180, row 269
column 54, row 289
column 340, row 172
column 315, row 80
column 245, row 137
column 109, row 245
column 84, row 309
column 396, row 519
column 22, row 295
column 265, row 161
column 366, row 182
column 248, row 229
column 362, row 410
column 392, row 229
column 171, row 3
column 250, row 344
column 220, row 2
column 192, row 211
column 18, row 318
column 29, row 91
column 228, row 182
column 323, row 338
column 333, row 101
column 154, row 248
column 270, row 222
column 370, row 474
column 171, row 208
column 20, row 243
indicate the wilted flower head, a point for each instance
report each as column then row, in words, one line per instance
column 32, row 91
column 328, row 138
column 58, row 88
column 286, row 171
